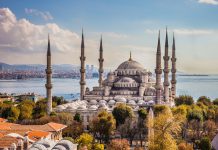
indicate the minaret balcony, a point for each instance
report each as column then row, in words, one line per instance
column 173, row 70
column 82, row 70
column 166, row 70
column 166, row 58
column 48, row 86
column 82, row 58
column 173, row 81
column 158, row 71
column 82, row 83
column 48, row 71
column 173, row 59
column 101, row 59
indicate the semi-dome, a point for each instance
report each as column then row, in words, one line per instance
column 126, row 80
column 131, row 64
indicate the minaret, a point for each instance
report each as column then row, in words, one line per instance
column 48, row 84
column 166, row 71
column 158, row 72
column 101, row 60
column 130, row 56
column 173, row 70
column 82, row 69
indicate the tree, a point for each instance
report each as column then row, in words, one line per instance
column 13, row 114
column 98, row 146
column 185, row 146
column 159, row 109
column 205, row 144
column 195, row 120
column 184, row 99
column 209, row 128
column 77, row 117
column 40, row 109
column 121, row 112
column 129, row 129
column 215, row 102
column 74, row 130
column 85, row 140
column 103, row 126
column 205, row 100
column 142, row 129
column 118, row 144
column 166, row 128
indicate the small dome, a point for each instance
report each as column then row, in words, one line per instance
column 103, row 106
column 81, row 107
column 111, row 102
column 60, row 107
column 66, row 144
column 93, row 107
column 120, row 99
column 151, row 102
column 102, row 101
column 93, row 102
column 130, row 64
column 131, row 102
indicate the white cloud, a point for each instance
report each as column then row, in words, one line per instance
column 181, row 31
column 192, row 31
column 212, row 2
column 45, row 15
column 23, row 36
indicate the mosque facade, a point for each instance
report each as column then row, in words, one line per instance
column 130, row 83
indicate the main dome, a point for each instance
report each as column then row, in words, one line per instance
column 131, row 64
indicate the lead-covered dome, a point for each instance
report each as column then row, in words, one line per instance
column 131, row 64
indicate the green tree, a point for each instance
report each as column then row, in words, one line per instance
column 159, row 109
column 205, row 100
column 77, row 117
column 74, row 130
column 13, row 114
column 40, row 109
column 184, row 99
column 142, row 129
column 215, row 102
column 121, row 112
column 205, row 144
column 103, row 126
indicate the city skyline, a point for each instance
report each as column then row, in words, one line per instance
column 124, row 26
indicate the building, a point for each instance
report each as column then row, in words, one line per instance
column 130, row 83
column 21, row 137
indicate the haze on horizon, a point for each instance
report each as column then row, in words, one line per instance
column 125, row 26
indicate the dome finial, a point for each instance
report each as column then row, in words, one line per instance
column 130, row 56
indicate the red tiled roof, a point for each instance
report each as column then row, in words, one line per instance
column 56, row 126
column 6, row 141
column 2, row 120
column 37, row 135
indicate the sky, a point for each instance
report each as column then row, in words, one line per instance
column 125, row 25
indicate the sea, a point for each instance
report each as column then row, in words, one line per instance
column 195, row 86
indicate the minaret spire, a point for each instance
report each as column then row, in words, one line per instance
column 173, row 70
column 82, row 69
column 130, row 56
column 48, row 84
column 158, row 72
column 166, row 70
column 101, row 60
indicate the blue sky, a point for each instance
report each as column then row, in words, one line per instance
column 126, row 25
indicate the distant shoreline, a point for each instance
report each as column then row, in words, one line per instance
column 193, row 75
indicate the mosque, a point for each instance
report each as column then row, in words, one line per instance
column 130, row 83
